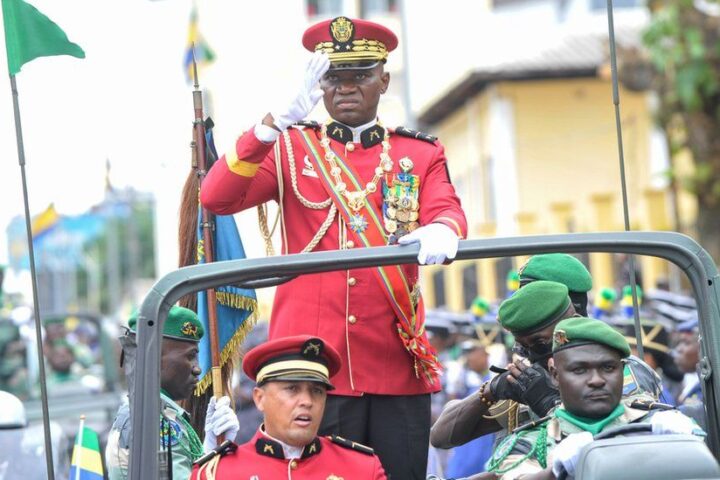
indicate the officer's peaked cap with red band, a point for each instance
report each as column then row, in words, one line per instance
column 350, row 42
column 298, row 358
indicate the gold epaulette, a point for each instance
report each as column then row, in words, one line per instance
column 344, row 442
column 406, row 132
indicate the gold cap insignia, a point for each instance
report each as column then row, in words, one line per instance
column 560, row 337
column 341, row 29
column 189, row 329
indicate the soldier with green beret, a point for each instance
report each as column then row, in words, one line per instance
column 180, row 444
column 525, row 391
column 587, row 366
column 502, row 403
column 562, row 268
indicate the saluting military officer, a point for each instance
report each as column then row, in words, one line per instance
column 587, row 366
column 293, row 376
column 180, row 444
column 353, row 182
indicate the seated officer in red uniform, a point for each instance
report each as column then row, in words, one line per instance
column 352, row 182
column 293, row 376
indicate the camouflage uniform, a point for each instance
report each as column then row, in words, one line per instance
column 520, row 447
column 183, row 441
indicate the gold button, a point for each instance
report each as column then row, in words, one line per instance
column 293, row 464
column 352, row 281
column 350, row 146
column 352, row 319
column 349, row 244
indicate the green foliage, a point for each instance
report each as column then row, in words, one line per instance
column 685, row 54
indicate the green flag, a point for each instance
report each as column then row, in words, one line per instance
column 30, row 34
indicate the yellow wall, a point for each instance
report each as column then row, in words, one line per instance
column 567, row 169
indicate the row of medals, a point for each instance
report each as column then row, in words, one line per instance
column 401, row 216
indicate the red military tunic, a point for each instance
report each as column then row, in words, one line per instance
column 262, row 458
column 348, row 309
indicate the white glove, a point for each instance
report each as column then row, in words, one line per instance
column 437, row 243
column 567, row 453
column 309, row 94
column 674, row 422
column 220, row 419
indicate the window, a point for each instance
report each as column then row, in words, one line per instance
column 324, row 8
column 439, row 288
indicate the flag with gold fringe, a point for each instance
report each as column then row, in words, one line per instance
column 203, row 53
column 86, row 463
column 236, row 307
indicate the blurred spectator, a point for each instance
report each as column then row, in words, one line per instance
column 471, row 457
column 13, row 360
column 656, row 346
column 512, row 282
column 687, row 358
column 604, row 304
column 626, row 302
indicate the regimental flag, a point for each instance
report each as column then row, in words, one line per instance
column 29, row 34
column 86, row 463
column 236, row 307
column 44, row 222
column 203, row 53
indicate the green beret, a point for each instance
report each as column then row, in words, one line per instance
column 576, row 331
column 557, row 267
column 181, row 324
column 534, row 307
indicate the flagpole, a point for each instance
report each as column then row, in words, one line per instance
column 33, row 276
column 78, row 441
column 207, row 222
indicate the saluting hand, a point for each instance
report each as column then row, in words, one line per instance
column 308, row 96
column 219, row 420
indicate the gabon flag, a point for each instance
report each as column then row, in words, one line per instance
column 86, row 463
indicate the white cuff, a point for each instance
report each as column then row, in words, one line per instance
column 266, row 134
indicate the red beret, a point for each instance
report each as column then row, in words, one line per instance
column 346, row 40
column 298, row 358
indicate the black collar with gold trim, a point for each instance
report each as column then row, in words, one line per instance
column 271, row 448
column 368, row 137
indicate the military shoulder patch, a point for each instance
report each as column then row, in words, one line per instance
column 307, row 124
column 344, row 442
column 406, row 132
